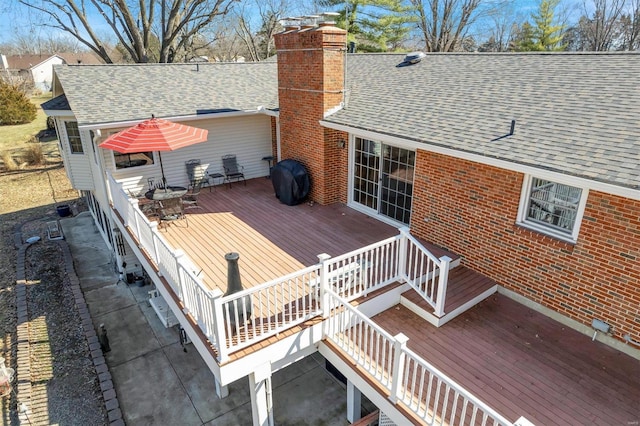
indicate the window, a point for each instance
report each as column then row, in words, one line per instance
column 73, row 135
column 383, row 178
column 135, row 159
column 553, row 207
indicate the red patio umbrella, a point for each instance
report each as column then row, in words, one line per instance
column 154, row 134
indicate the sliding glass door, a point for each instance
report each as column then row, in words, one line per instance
column 383, row 178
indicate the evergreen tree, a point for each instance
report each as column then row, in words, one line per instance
column 524, row 40
column 374, row 25
column 545, row 35
column 15, row 106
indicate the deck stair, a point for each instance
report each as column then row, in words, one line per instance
column 466, row 288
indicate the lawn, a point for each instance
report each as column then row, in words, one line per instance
column 15, row 139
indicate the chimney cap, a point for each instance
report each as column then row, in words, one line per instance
column 328, row 18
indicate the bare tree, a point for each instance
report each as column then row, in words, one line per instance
column 257, row 23
column 134, row 24
column 445, row 23
column 630, row 23
column 601, row 30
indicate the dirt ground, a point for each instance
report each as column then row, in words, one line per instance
column 63, row 379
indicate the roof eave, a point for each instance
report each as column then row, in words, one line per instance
column 582, row 182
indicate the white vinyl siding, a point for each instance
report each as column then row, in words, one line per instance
column 77, row 165
column 248, row 137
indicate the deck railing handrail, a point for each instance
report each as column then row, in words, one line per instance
column 173, row 265
column 409, row 379
column 353, row 274
column 425, row 273
column 256, row 313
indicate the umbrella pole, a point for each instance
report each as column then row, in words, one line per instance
column 164, row 180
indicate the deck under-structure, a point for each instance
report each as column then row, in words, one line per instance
column 523, row 363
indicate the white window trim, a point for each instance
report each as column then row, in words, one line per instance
column 112, row 159
column 524, row 204
column 71, row 152
column 350, row 182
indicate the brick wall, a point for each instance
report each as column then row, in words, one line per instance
column 310, row 83
column 470, row 209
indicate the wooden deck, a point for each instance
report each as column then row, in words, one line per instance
column 272, row 239
column 523, row 363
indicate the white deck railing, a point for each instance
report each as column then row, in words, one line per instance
column 242, row 319
column 409, row 379
column 173, row 265
column 426, row 274
column 257, row 313
column 236, row 321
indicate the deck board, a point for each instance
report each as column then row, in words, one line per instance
column 463, row 285
column 523, row 363
column 272, row 239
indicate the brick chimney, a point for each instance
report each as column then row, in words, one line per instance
column 310, row 84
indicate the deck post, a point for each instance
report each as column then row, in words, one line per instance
column 261, row 400
column 221, row 391
column 177, row 255
column 324, row 282
column 181, row 270
column 218, row 330
column 354, row 402
column 154, row 242
column 127, row 220
column 443, row 279
column 399, row 344
column 403, row 252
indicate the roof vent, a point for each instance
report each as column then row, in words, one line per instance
column 411, row 58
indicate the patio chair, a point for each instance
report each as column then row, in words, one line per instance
column 171, row 210
column 153, row 184
column 232, row 170
column 190, row 199
column 195, row 172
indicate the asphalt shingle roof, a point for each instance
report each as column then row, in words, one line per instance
column 113, row 93
column 577, row 114
column 59, row 103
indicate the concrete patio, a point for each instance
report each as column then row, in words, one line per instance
column 156, row 382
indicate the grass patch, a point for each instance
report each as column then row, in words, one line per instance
column 8, row 161
column 16, row 141
column 15, row 137
column 33, row 154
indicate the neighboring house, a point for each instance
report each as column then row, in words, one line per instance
column 39, row 68
column 525, row 165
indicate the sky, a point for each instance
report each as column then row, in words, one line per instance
column 16, row 18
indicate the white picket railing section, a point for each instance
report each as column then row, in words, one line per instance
column 257, row 313
column 173, row 265
column 425, row 273
column 241, row 319
column 409, row 379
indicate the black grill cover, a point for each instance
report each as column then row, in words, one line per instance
column 290, row 182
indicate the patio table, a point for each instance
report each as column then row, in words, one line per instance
column 167, row 193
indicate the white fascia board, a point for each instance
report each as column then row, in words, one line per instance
column 177, row 119
column 279, row 354
column 59, row 113
column 579, row 182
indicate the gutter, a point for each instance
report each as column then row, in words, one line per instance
column 577, row 181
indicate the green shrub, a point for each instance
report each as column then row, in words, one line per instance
column 15, row 106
